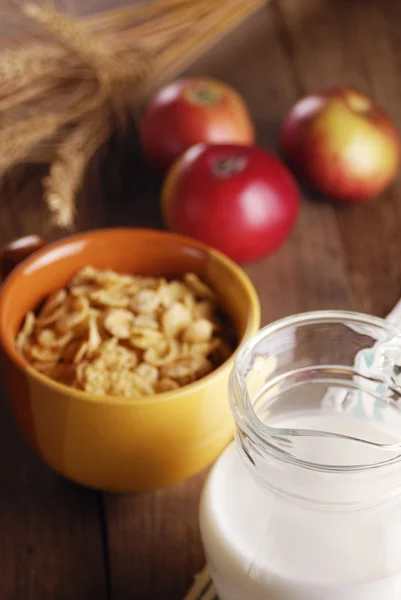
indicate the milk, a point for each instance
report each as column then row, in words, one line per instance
column 264, row 544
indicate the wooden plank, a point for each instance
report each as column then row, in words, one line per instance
column 356, row 43
column 154, row 543
column 50, row 532
column 153, row 539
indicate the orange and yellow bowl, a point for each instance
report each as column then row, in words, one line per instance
column 112, row 443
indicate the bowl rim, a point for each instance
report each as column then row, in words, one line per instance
column 252, row 325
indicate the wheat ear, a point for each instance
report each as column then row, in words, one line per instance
column 75, row 37
column 68, row 168
column 18, row 138
column 21, row 66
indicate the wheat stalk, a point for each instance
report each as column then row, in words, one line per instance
column 70, row 161
column 142, row 12
column 208, row 32
column 21, row 66
column 17, row 139
column 69, row 32
column 78, row 79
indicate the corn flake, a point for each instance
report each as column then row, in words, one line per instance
column 119, row 323
column 199, row 288
column 162, row 354
column 200, row 330
column 124, row 335
column 175, row 319
column 146, row 302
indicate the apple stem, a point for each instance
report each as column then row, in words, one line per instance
column 230, row 165
column 204, row 96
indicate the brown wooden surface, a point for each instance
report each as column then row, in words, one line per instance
column 64, row 542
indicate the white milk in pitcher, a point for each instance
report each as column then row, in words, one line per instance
column 337, row 539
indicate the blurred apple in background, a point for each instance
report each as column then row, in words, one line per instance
column 238, row 199
column 189, row 111
column 342, row 144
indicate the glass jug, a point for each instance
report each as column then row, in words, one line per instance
column 310, row 518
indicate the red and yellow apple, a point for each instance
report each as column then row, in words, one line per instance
column 190, row 111
column 342, row 144
column 239, row 199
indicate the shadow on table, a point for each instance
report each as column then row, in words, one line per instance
column 129, row 194
column 154, row 542
column 50, row 543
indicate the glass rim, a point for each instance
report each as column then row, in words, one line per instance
column 254, row 428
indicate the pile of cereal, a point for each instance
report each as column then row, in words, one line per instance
column 125, row 335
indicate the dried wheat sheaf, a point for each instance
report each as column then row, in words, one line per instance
column 76, row 80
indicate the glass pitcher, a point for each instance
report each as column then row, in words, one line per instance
column 310, row 518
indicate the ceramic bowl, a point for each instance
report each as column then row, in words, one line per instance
column 112, row 443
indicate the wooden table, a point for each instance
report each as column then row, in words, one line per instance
column 59, row 541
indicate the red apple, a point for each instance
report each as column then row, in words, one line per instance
column 238, row 199
column 342, row 144
column 190, row 111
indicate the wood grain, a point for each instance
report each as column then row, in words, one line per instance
column 59, row 541
column 51, row 540
column 359, row 44
column 154, row 543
